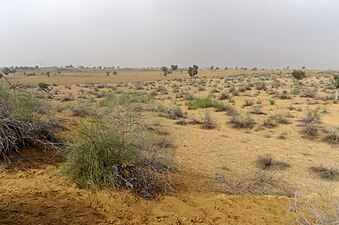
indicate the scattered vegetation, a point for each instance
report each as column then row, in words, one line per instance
column 119, row 151
column 259, row 182
column 242, row 122
column 20, row 124
column 208, row 122
column 203, row 103
column 325, row 172
column 267, row 162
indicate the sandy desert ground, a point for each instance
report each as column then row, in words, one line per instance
column 210, row 160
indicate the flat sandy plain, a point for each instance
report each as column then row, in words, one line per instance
column 32, row 192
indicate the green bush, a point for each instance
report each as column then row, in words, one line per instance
column 119, row 151
column 298, row 74
column 203, row 103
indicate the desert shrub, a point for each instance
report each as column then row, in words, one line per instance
column 298, row 74
column 139, row 86
column 283, row 135
column 282, row 95
column 315, row 211
column 203, row 103
column 224, row 96
column 244, row 87
column 214, row 90
column 80, row 110
column 257, row 109
column 325, row 172
column 208, row 122
column 228, row 108
column 311, row 129
column 59, row 108
column 295, row 90
column 311, row 125
column 282, row 119
column 201, row 88
column 182, row 122
column 264, row 161
column 195, row 121
column 259, row 182
column 331, row 137
column 162, row 89
column 20, row 125
column 242, row 122
column 267, row 162
column 270, row 122
column 119, row 151
column 312, row 116
column 234, row 91
column 272, row 101
column 67, row 98
column 174, row 112
column 188, row 96
column 261, row 86
column 311, row 93
column 248, row 102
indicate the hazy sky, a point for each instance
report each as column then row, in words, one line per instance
column 262, row 33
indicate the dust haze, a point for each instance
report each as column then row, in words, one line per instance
column 265, row 34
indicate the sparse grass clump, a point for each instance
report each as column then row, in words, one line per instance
column 311, row 129
column 272, row 101
column 242, row 122
column 67, row 98
column 312, row 116
column 208, row 122
column 248, row 102
column 311, row 123
column 81, row 110
column 259, row 182
column 267, row 162
column 207, row 102
column 224, row 96
column 257, row 109
column 174, row 112
column 270, row 122
column 119, row 151
column 331, row 137
column 281, row 119
column 325, row 172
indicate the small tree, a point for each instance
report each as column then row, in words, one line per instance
column 336, row 85
column 165, row 71
column 298, row 74
column 45, row 88
column 107, row 73
column 48, row 74
column 5, row 72
column 193, row 70
column 174, row 67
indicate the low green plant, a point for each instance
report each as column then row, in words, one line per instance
column 203, row 103
column 119, row 151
